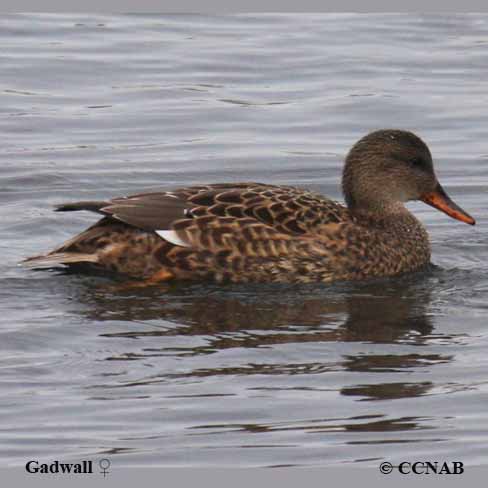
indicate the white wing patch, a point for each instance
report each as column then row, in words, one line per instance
column 172, row 237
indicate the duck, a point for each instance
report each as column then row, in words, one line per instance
column 257, row 233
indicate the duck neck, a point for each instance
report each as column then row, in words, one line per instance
column 383, row 214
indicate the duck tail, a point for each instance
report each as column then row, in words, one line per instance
column 57, row 258
column 91, row 206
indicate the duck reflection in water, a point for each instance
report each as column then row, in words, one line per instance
column 203, row 320
column 386, row 311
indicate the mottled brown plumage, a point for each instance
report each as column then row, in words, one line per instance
column 253, row 232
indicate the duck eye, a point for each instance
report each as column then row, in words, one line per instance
column 417, row 162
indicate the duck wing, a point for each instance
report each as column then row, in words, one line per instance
column 288, row 210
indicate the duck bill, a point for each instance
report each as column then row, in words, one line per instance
column 440, row 200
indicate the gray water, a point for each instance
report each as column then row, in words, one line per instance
column 97, row 106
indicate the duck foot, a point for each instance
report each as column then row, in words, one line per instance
column 156, row 279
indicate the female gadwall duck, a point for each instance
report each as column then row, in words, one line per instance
column 253, row 232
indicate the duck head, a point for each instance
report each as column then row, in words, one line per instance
column 387, row 168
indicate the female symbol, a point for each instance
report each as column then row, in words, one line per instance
column 104, row 464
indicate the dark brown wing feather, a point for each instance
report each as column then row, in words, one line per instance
column 151, row 211
column 247, row 219
column 286, row 209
